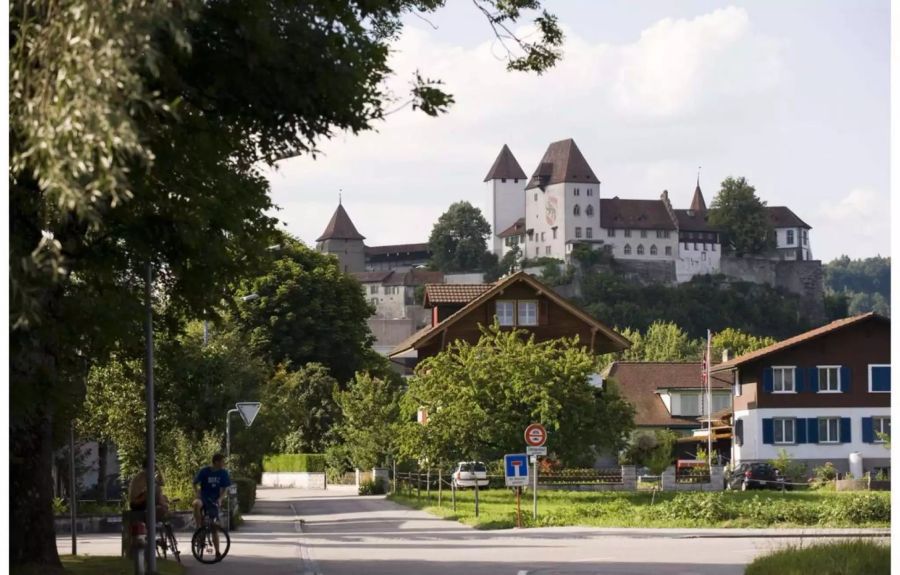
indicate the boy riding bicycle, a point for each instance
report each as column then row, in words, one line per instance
column 210, row 486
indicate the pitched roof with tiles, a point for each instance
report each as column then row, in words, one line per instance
column 415, row 277
column 639, row 383
column 562, row 162
column 505, row 167
column 698, row 204
column 783, row 217
column 693, row 221
column 799, row 339
column 442, row 294
column 340, row 227
column 517, row 229
column 635, row 214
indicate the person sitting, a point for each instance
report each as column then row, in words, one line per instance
column 137, row 493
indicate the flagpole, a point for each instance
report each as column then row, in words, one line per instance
column 708, row 398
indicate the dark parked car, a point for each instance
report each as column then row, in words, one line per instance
column 755, row 476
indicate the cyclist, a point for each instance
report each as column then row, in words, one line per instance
column 137, row 493
column 211, row 484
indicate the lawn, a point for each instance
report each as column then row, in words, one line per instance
column 642, row 509
column 91, row 565
column 856, row 557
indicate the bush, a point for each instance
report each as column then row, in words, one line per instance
column 295, row 462
column 791, row 470
column 246, row 493
column 856, row 508
column 825, row 559
column 706, row 507
column 373, row 487
column 824, row 475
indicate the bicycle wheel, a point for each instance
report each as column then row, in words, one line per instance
column 203, row 544
column 172, row 542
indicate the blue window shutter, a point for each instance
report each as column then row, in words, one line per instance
column 800, row 430
column 814, row 379
column 739, row 432
column 868, row 432
column 767, row 380
column 768, row 431
column 881, row 379
column 845, row 430
column 845, row 379
column 812, row 430
column 799, row 379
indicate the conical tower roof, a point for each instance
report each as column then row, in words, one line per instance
column 505, row 167
column 340, row 227
column 698, row 204
column 562, row 162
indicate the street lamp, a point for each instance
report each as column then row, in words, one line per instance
column 250, row 297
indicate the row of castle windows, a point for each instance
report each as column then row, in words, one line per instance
column 588, row 211
column 661, row 234
column 640, row 250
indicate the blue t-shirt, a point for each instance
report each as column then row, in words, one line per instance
column 211, row 482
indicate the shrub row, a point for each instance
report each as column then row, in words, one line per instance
column 373, row 487
column 294, row 462
column 246, row 493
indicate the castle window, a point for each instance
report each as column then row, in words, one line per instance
column 653, row 250
column 542, row 236
column 577, row 210
column 640, row 250
column 577, row 192
column 703, row 256
column 516, row 181
column 537, row 251
column 611, row 232
column 668, row 250
column 522, row 239
column 643, row 233
column 589, row 232
column 547, row 250
column 554, row 233
column 590, row 191
column 577, row 232
column 373, row 289
column 627, row 249
column 627, row 233
column 695, row 246
column 535, row 196
column 713, row 247
column 502, row 180
column 589, row 210
column 790, row 237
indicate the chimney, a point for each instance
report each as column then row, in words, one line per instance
column 724, row 355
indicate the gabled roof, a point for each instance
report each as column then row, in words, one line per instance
column 517, row 229
column 340, row 227
column 414, row 277
column 698, row 204
column 799, row 339
column 783, row 217
column 419, row 339
column 396, row 249
column 505, row 166
column 635, row 214
column 371, row 277
column 693, row 221
column 640, row 383
column 449, row 294
column 562, row 162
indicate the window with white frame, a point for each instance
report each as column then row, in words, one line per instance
column 829, row 378
column 668, row 250
column 690, row 404
column 373, row 289
column 881, row 425
column 790, row 237
column 528, row 311
column 640, row 249
column 627, row 233
column 577, row 232
column 589, row 233
column 879, row 378
column 506, row 311
column 547, row 250
column 829, row 430
column 611, row 233
column 643, row 233
column 783, row 430
column 653, row 250
column 720, row 401
column 783, row 380
column 590, row 191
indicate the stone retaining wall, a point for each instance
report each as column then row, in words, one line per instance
column 301, row 480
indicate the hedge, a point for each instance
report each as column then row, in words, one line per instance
column 294, row 462
column 246, row 493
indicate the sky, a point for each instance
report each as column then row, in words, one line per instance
column 794, row 96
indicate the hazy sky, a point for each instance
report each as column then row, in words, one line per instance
column 792, row 95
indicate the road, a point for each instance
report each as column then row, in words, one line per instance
column 338, row 533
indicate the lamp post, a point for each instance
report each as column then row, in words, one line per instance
column 151, row 427
column 228, row 459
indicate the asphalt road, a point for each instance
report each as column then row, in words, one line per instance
column 338, row 533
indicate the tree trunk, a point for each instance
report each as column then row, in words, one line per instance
column 102, row 456
column 33, row 536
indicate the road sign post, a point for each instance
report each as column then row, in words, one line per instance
column 248, row 411
column 535, row 437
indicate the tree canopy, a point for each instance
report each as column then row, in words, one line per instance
column 458, row 240
column 862, row 285
column 741, row 216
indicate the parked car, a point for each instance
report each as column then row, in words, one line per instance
column 755, row 476
column 467, row 473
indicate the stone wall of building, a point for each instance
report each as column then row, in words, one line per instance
column 804, row 278
column 646, row 272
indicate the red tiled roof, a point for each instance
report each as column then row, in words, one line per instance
column 517, row 229
column 635, row 214
column 638, row 383
column 783, row 217
column 562, row 162
column 698, row 204
column 798, row 339
column 505, row 166
column 340, row 227
column 436, row 294
column 396, row 249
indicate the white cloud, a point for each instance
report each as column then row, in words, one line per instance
column 860, row 219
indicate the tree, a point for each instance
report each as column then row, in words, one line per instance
column 458, row 240
column 737, row 343
column 479, row 398
column 742, row 218
column 651, row 449
column 301, row 408
column 663, row 341
column 369, row 409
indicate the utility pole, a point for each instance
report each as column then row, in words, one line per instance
column 151, row 426
column 228, row 462
column 73, row 487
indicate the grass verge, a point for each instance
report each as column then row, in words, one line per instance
column 855, row 557
column 642, row 509
column 92, row 565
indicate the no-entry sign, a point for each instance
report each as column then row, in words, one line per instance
column 535, row 435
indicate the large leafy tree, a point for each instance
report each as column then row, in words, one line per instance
column 301, row 408
column 742, row 217
column 480, row 397
column 370, row 407
column 458, row 240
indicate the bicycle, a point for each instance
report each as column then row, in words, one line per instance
column 203, row 544
column 165, row 539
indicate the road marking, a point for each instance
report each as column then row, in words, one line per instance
column 308, row 565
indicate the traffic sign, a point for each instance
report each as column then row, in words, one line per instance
column 516, row 469
column 535, row 435
column 539, row 450
column 248, row 411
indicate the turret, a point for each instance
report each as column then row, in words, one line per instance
column 341, row 239
column 506, row 196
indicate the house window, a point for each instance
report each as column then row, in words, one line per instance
column 783, row 380
column 829, row 429
column 627, row 233
column 590, row 191
column 703, row 256
column 783, row 430
column 537, row 251
column 506, row 312
column 695, row 246
column 542, row 236
column 880, row 425
column 713, row 247
column 666, row 234
column 668, row 250
column 627, row 249
column 805, row 237
column 611, row 233
column 589, row 210
column 739, row 432
column 879, row 378
column 373, row 289
column 554, row 233
column 690, row 404
column 502, row 180
column 720, row 401
column 653, row 250
column 685, row 246
column 535, row 196
column 521, row 239
column 589, row 233
column 576, row 210
column 577, row 232
column 528, row 312
column 547, row 250
column 577, row 192
column 640, row 250
column 829, row 378
column 643, row 233
column 790, row 237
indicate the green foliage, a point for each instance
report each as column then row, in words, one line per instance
column 661, row 341
column 479, row 398
column 737, row 343
column 370, row 407
column 375, row 486
column 792, row 471
column 295, row 462
column 511, row 261
column 831, row 558
column 246, row 493
column 858, row 508
column 867, row 275
column 701, row 507
column 824, row 475
column 458, row 240
column 300, row 407
column 742, row 217
column 557, row 273
column 653, row 450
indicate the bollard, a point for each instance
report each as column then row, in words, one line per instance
column 453, row 493
column 428, row 485
column 138, row 545
column 476, row 496
column 418, row 484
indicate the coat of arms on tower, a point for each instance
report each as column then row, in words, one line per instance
column 551, row 207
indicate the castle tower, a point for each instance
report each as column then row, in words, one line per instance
column 341, row 239
column 698, row 204
column 506, row 196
